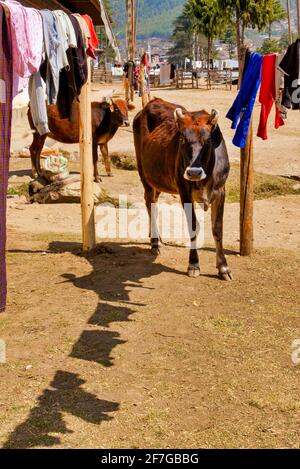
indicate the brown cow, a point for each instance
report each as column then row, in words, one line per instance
column 107, row 117
column 181, row 152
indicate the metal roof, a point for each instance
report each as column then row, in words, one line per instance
column 89, row 7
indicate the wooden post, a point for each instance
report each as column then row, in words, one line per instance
column 298, row 17
column 86, row 166
column 143, row 84
column 130, row 45
column 246, row 190
column 247, row 196
column 288, row 9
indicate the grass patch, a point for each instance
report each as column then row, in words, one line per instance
column 106, row 198
column 18, row 189
column 265, row 186
column 125, row 161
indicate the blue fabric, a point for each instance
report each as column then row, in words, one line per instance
column 245, row 100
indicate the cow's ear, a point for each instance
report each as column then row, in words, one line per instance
column 111, row 105
column 130, row 106
column 179, row 117
column 213, row 118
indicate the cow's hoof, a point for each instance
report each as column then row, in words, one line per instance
column 98, row 179
column 110, row 175
column 193, row 271
column 155, row 251
column 225, row 274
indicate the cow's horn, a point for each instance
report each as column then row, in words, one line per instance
column 178, row 114
column 214, row 117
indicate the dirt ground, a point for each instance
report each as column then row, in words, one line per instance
column 124, row 350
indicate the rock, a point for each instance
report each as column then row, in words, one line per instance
column 66, row 191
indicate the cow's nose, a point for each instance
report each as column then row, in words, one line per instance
column 127, row 123
column 196, row 173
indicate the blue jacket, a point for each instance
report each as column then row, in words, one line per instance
column 245, row 100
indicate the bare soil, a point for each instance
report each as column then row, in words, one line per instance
column 121, row 349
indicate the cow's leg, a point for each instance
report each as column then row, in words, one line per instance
column 217, row 212
column 35, row 153
column 97, row 177
column 151, row 198
column 106, row 159
column 193, row 227
column 194, row 266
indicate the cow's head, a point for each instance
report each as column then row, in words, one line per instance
column 195, row 129
column 120, row 108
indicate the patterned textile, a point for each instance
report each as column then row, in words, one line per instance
column 5, row 132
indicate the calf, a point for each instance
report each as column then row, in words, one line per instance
column 181, row 152
column 107, row 117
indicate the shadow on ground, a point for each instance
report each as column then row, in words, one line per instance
column 116, row 270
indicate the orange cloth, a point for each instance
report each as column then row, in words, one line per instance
column 93, row 40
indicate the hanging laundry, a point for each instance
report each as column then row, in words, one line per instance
column 6, row 76
column 279, row 85
column 27, row 41
column 50, row 68
column 66, row 36
column 49, row 71
column 290, row 66
column 93, row 40
column 84, row 29
column 267, row 95
column 73, row 77
column 241, row 111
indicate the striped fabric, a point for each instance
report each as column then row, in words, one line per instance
column 6, row 80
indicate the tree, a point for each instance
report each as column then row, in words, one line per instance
column 229, row 38
column 284, row 41
column 277, row 14
column 182, row 38
column 206, row 19
column 269, row 46
column 248, row 13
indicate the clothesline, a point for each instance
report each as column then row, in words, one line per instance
column 46, row 51
column 278, row 78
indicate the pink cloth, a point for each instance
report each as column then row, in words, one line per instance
column 27, row 40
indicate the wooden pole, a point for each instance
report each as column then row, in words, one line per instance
column 86, row 166
column 288, row 10
column 130, row 44
column 246, row 189
column 298, row 17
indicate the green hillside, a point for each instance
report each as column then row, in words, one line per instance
column 155, row 17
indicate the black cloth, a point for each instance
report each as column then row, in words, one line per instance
column 172, row 71
column 290, row 65
column 71, row 80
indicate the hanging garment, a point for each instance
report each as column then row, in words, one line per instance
column 73, row 78
column 49, row 73
column 66, row 36
column 267, row 96
column 290, row 66
column 93, row 40
column 241, row 111
column 50, row 68
column 27, row 42
column 6, row 75
column 279, row 84
column 84, row 29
